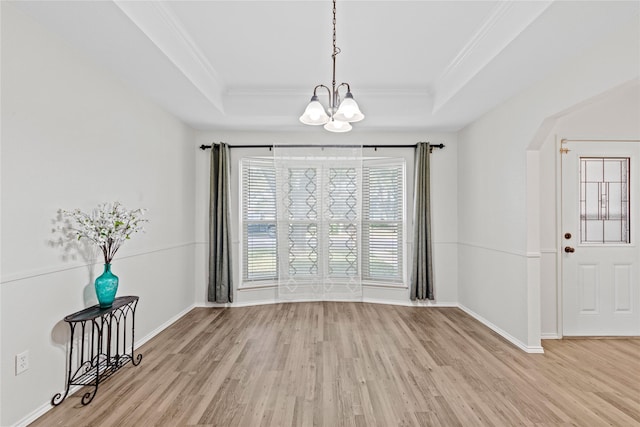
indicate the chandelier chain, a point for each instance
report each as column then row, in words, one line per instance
column 335, row 48
column 336, row 51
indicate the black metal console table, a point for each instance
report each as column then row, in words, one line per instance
column 102, row 337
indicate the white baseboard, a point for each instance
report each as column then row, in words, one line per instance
column 238, row 304
column 37, row 413
column 504, row 334
column 44, row 408
column 365, row 300
column 165, row 325
column 550, row 336
column 409, row 303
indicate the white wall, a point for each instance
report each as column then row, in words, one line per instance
column 444, row 215
column 73, row 136
column 499, row 213
column 613, row 115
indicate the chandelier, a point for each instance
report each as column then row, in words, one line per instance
column 341, row 112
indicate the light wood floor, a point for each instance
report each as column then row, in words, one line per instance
column 354, row 364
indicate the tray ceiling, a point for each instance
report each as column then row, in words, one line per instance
column 252, row 65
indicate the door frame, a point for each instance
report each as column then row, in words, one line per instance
column 559, row 258
column 559, row 243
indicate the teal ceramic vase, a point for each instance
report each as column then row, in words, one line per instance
column 106, row 287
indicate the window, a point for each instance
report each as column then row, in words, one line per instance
column 382, row 222
column 604, row 200
column 259, row 220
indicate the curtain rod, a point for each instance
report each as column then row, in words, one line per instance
column 431, row 146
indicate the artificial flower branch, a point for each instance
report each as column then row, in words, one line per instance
column 108, row 226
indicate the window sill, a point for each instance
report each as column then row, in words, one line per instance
column 266, row 285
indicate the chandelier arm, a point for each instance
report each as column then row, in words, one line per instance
column 321, row 85
column 345, row 84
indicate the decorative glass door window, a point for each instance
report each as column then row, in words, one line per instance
column 604, row 200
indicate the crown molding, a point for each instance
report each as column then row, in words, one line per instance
column 505, row 23
column 165, row 30
column 305, row 93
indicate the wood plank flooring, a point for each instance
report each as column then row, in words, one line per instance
column 355, row 364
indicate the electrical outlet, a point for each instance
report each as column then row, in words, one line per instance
column 22, row 362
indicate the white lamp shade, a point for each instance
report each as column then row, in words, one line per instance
column 314, row 114
column 337, row 126
column 348, row 110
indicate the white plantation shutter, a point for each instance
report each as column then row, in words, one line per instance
column 259, row 220
column 382, row 222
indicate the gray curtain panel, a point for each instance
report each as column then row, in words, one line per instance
column 220, row 288
column 422, row 274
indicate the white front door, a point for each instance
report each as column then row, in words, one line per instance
column 599, row 234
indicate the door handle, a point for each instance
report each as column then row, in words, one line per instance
column 569, row 249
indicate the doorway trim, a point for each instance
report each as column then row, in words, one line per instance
column 559, row 263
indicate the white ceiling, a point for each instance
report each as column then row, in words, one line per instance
column 252, row 65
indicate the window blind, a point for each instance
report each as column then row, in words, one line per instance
column 382, row 223
column 259, row 220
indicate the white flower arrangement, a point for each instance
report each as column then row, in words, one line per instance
column 108, row 226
